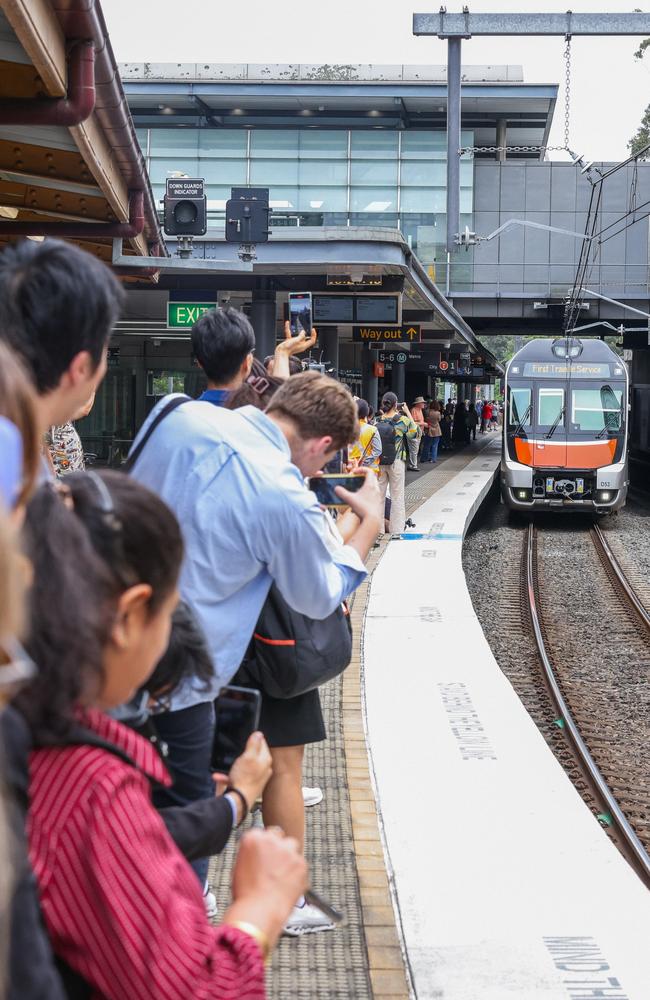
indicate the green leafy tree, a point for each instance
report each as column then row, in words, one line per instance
column 641, row 137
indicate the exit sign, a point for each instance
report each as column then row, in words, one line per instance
column 185, row 314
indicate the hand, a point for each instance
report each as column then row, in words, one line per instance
column 366, row 501
column 298, row 344
column 269, row 876
column 252, row 769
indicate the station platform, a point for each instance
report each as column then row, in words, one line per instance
column 503, row 884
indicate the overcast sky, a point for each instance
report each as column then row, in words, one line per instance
column 610, row 88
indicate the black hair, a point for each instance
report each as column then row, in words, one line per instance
column 388, row 401
column 186, row 656
column 55, row 301
column 88, row 541
column 221, row 341
column 362, row 409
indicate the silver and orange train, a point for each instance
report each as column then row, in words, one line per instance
column 565, row 428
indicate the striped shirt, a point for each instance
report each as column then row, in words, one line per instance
column 122, row 906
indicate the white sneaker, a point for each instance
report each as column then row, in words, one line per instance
column 210, row 903
column 312, row 796
column 306, row 920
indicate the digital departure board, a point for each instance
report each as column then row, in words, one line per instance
column 382, row 310
column 377, row 309
column 333, row 309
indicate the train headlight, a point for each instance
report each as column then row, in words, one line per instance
column 604, row 496
column 523, row 494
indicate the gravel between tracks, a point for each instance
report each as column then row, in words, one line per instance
column 577, row 595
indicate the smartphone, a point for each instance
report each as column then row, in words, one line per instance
column 324, row 486
column 300, row 312
column 237, row 716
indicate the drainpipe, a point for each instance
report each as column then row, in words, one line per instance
column 65, row 111
column 83, row 230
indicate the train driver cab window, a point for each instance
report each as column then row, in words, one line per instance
column 597, row 409
column 550, row 406
column 519, row 413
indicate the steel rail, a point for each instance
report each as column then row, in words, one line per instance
column 628, row 833
column 605, row 551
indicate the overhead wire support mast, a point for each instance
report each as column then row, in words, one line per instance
column 454, row 27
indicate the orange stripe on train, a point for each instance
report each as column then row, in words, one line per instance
column 569, row 455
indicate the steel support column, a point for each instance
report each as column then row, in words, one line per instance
column 453, row 140
column 263, row 322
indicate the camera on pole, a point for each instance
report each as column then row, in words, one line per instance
column 186, row 213
column 247, row 219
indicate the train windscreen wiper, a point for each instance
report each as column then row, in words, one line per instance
column 551, row 430
column 520, row 425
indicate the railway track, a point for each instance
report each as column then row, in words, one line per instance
column 592, row 634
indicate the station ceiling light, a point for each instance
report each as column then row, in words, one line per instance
column 374, row 113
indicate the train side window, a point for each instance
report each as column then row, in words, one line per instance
column 519, row 412
column 550, row 403
column 597, row 409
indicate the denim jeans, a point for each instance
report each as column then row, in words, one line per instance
column 430, row 449
column 188, row 734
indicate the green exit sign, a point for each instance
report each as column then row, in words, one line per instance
column 185, row 314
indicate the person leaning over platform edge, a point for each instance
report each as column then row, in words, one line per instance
column 235, row 482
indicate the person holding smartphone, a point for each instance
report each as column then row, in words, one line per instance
column 396, row 428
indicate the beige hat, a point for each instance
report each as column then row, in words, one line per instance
column 420, row 399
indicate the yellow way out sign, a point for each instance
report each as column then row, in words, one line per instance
column 407, row 334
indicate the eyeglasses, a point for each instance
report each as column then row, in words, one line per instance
column 16, row 667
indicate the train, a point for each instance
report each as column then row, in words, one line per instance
column 565, row 428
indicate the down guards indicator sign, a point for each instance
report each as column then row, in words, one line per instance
column 181, row 315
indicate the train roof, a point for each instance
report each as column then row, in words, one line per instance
column 541, row 349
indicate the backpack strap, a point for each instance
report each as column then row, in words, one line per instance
column 166, row 410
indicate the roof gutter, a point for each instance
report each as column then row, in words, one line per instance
column 83, row 230
column 70, row 110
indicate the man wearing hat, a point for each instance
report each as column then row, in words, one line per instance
column 417, row 412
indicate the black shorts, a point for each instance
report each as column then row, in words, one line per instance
column 288, row 722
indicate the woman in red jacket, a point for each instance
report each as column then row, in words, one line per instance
column 121, row 905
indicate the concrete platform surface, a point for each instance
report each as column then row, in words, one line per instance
column 504, row 884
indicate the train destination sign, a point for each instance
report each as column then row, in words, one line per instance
column 407, row 334
column 562, row 369
column 185, row 314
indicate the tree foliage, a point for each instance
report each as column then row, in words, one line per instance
column 641, row 137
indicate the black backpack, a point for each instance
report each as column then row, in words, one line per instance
column 388, row 434
column 291, row 653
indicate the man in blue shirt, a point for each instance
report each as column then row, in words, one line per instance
column 223, row 343
column 235, row 481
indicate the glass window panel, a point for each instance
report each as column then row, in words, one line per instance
column 323, row 172
column 466, row 200
column 174, row 141
column 162, row 167
column 274, row 144
column 423, row 200
column 227, row 142
column 373, row 199
column 520, row 408
column 283, row 197
column 594, row 409
column 141, row 133
column 223, row 171
column 374, row 172
column 217, row 195
column 549, row 406
column 267, row 172
column 374, row 143
column 315, row 143
column 419, row 174
column 421, row 145
column 385, row 220
column 322, row 199
column 467, row 173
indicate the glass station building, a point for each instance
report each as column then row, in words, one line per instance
column 348, row 153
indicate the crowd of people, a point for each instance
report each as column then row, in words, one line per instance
column 128, row 599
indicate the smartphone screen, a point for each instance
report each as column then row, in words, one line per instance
column 237, row 716
column 300, row 312
column 324, row 486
